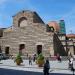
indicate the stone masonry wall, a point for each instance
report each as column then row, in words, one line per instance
column 31, row 35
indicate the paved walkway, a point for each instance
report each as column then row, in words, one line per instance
column 19, row 72
column 56, row 67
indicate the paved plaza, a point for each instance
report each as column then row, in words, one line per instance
column 55, row 66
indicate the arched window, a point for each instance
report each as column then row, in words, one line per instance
column 22, row 22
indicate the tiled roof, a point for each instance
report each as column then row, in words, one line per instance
column 70, row 35
column 55, row 25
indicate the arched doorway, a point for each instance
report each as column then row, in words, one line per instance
column 6, row 50
column 39, row 49
column 21, row 47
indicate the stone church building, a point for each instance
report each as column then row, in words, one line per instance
column 29, row 34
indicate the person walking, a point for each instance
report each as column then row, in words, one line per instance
column 46, row 67
column 27, row 55
column 34, row 57
column 58, row 58
column 71, row 62
column 30, row 60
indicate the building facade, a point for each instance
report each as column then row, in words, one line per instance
column 30, row 35
column 62, row 27
column 27, row 35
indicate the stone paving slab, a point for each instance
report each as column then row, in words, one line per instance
column 56, row 67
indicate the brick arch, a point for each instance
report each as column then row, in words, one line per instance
column 21, row 19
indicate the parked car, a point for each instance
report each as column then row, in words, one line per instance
column 3, row 56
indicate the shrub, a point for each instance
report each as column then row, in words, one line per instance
column 40, row 60
column 18, row 59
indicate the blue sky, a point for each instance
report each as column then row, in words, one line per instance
column 48, row 10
